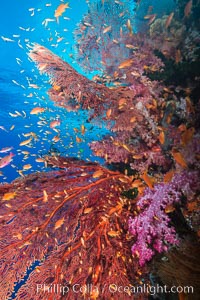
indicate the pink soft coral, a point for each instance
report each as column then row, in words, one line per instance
column 151, row 227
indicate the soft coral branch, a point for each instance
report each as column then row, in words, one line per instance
column 151, row 226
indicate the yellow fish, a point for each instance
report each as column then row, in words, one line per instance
column 37, row 110
column 9, row 196
column 27, row 167
column 59, row 223
column 26, row 142
column 61, row 9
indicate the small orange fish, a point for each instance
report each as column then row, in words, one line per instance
column 41, row 160
column 107, row 29
column 59, row 223
column 27, row 167
column 147, row 17
column 78, row 140
column 178, row 56
column 56, row 138
column 188, row 8
column 129, row 46
column 129, row 26
column 6, row 160
column 45, row 196
column 178, row 157
column 9, row 196
column 148, row 180
column 133, row 119
column 137, row 156
column 82, row 129
column 125, row 64
column 56, row 87
column 87, row 210
column 6, row 149
column 122, row 102
column 169, row 209
column 108, row 113
column 34, row 86
column 187, row 136
column 151, row 18
column 136, row 183
column 37, row 110
column 125, row 147
column 161, row 137
column 59, row 39
column 113, row 233
column 169, row 19
column 124, row 179
column 168, row 176
column 18, row 235
column 26, row 142
column 12, row 127
column 97, row 174
column 61, row 9
column 54, row 124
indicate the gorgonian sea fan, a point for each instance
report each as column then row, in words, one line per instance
column 97, row 37
column 69, row 88
column 151, row 227
column 131, row 112
column 72, row 221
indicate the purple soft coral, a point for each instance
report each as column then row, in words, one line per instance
column 150, row 227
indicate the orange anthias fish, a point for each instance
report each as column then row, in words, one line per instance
column 6, row 160
column 169, row 19
column 178, row 157
column 61, row 9
column 59, row 223
column 55, row 123
column 187, row 136
column 37, row 110
column 9, row 196
column 107, row 29
column 188, row 8
column 125, row 64
column 148, row 180
column 161, row 137
column 6, row 149
column 82, row 129
column 151, row 18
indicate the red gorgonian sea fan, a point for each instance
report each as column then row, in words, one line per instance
column 131, row 112
column 66, row 228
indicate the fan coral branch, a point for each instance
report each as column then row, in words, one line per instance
column 131, row 112
column 73, row 222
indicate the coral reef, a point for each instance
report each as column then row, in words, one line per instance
column 85, row 224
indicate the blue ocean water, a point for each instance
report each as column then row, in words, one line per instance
column 23, row 24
